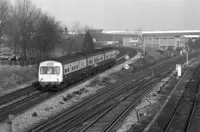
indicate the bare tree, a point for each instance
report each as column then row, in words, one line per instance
column 86, row 28
column 4, row 12
column 76, row 28
column 23, row 19
column 80, row 29
column 48, row 34
column 88, row 45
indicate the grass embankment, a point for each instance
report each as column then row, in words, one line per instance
column 13, row 76
column 151, row 57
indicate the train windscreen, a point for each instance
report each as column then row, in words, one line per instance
column 49, row 70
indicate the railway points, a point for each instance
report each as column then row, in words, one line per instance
column 179, row 112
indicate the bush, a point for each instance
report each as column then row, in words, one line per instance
column 13, row 76
column 160, row 51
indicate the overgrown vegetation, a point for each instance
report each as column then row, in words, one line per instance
column 13, row 76
column 194, row 44
column 151, row 57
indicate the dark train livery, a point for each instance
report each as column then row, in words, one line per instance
column 55, row 74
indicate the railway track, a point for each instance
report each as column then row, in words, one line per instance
column 11, row 102
column 184, row 113
column 22, row 105
column 119, row 110
column 86, row 109
column 14, row 95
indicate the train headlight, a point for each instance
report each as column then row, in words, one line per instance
column 41, row 79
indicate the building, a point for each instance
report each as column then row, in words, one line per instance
column 167, row 39
column 153, row 39
column 119, row 38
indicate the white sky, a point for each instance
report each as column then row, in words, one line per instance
column 126, row 14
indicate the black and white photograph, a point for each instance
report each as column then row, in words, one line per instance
column 99, row 65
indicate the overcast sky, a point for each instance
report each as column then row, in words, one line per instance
column 126, row 14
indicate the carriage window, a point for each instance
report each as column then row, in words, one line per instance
column 73, row 67
column 101, row 57
column 66, row 70
column 90, row 61
column 56, row 70
column 82, row 64
column 106, row 56
column 96, row 60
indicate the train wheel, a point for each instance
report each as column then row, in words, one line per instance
column 70, row 81
column 39, row 88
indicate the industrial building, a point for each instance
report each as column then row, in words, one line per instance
column 168, row 39
column 152, row 39
column 120, row 38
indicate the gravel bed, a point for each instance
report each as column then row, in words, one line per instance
column 149, row 105
column 142, row 109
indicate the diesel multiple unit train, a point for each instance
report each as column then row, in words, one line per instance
column 55, row 74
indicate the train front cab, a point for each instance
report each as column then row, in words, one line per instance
column 50, row 74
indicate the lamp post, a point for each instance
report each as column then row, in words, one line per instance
column 187, row 58
column 143, row 45
column 187, row 55
column 142, row 37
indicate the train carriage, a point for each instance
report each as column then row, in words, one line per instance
column 74, row 68
column 69, row 69
column 94, row 61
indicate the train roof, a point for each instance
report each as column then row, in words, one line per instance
column 70, row 58
column 79, row 56
column 48, row 61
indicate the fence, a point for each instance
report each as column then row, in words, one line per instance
column 18, row 62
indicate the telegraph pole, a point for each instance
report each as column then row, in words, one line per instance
column 187, row 59
column 187, row 55
column 143, row 45
column 142, row 37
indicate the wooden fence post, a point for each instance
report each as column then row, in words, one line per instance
column 10, row 122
